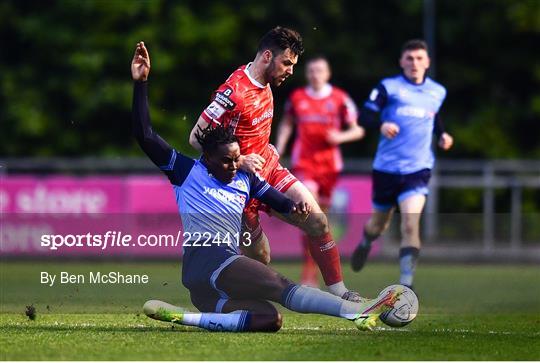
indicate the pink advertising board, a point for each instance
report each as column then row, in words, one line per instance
column 136, row 206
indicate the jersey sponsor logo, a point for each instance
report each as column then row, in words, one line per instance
column 224, row 196
column 240, row 184
column 223, row 98
column 266, row 115
column 403, row 92
column 214, row 110
column 410, row 111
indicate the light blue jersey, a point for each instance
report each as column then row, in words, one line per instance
column 413, row 108
column 209, row 206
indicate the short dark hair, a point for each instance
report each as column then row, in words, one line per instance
column 317, row 57
column 210, row 138
column 279, row 39
column 414, row 44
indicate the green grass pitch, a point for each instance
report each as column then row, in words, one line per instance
column 467, row 312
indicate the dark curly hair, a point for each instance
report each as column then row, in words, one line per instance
column 210, row 138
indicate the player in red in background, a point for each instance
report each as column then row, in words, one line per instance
column 325, row 117
column 245, row 102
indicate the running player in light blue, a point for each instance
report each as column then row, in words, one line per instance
column 231, row 291
column 408, row 105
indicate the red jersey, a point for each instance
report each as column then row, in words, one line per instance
column 314, row 114
column 247, row 106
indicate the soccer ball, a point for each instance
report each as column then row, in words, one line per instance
column 404, row 310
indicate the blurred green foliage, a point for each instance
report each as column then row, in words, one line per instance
column 66, row 86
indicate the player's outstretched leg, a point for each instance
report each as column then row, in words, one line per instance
column 249, row 279
column 321, row 243
column 376, row 225
column 236, row 316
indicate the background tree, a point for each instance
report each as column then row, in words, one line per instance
column 66, row 90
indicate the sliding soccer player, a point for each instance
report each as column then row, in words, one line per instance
column 231, row 291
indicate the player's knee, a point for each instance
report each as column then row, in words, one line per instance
column 264, row 257
column 261, row 256
column 275, row 286
column 267, row 322
column 377, row 227
column 277, row 322
column 281, row 283
column 316, row 224
column 409, row 229
column 258, row 250
column 274, row 323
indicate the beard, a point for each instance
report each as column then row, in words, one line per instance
column 271, row 78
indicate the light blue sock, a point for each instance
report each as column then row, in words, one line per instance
column 407, row 264
column 234, row 322
column 303, row 299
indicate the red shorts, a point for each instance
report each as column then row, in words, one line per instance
column 320, row 182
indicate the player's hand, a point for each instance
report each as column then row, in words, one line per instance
column 300, row 212
column 333, row 137
column 140, row 65
column 362, row 132
column 251, row 163
column 446, row 141
column 389, row 130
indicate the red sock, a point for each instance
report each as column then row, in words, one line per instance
column 309, row 268
column 325, row 252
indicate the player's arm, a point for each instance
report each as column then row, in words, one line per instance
column 376, row 101
column 286, row 127
column 201, row 124
column 157, row 149
column 352, row 131
column 175, row 165
column 369, row 117
column 445, row 140
column 261, row 190
column 219, row 111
